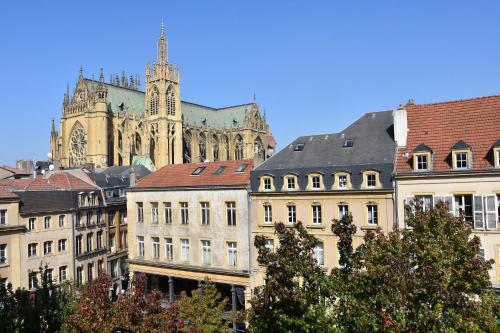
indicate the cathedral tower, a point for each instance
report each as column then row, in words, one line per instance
column 163, row 108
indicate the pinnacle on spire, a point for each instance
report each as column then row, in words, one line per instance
column 162, row 46
column 162, row 33
column 81, row 71
column 254, row 99
column 101, row 76
column 53, row 126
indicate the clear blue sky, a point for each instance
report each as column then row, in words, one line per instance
column 315, row 66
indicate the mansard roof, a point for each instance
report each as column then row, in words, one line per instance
column 47, row 201
column 195, row 115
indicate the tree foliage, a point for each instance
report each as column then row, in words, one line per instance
column 429, row 278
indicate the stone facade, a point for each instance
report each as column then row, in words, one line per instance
column 108, row 124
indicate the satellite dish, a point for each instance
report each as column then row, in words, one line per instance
column 42, row 172
column 104, row 159
column 51, row 167
column 49, row 156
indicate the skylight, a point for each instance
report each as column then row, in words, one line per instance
column 241, row 168
column 220, row 170
column 197, row 171
column 299, row 146
column 348, row 142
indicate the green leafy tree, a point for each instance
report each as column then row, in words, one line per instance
column 203, row 312
column 296, row 294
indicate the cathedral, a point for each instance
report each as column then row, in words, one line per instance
column 106, row 124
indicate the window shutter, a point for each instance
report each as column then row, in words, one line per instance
column 491, row 211
column 448, row 199
column 478, row 212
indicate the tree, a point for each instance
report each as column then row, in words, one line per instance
column 426, row 279
column 296, row 294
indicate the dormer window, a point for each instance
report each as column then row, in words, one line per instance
column 371, row 180
column 422, row 158
column 421, row 162
column 342, row 181
column 497, row 158
column 461, row 155
column 316, row 182
column 299, row 146
column 496, row 154
column 348, row 143
column 197, row 171
column 290, row 183
column 461, row 160
column 266, row 183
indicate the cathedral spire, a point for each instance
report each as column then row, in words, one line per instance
column 162, row 46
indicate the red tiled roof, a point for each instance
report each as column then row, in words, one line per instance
column 441, row 125
column 55, row 181
column 14, row 170
column 180, row 175
column 6, row 194
column 67, row 181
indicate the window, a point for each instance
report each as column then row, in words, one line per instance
column 114, row 268
column 231, row 213
column 3, row 253
column 31, row 223
column 241, row 167
column 99, row 240
column 316, row 214
column 220, row 170
column 169, row 249
column 61, row 245
column 268, row 213
column 46, row 222
column 61, row 221
column 94, row 199
column 156, row 247
column 140, row 212
column 481, row 253
column 461, row 160
column 498, row 157
column 205, row 213
column 197, row 171
column 319, row 254
column 90, row 271
column 89, row 218
column 270, row 245
column 49, row 276
column 185, row 249
column 109, row 194
column 111, row 218
column 426, row 201
column 290, row 183
column 184, row 213
column 348, row 143
column 100, row 266
column 78, row 219
column 3, row 216
column 112, row 242
column 486, row 209
column 89, row 242
column 32, row 280
column 47, row 247
column 422, row 163
column 299, row 146
column 343, row 209
column 206, row 252
column 372, row 214
column 121, row 192
column 79, row 275
column 267, row 183
column 140, row 246
column 167, row 210
column 99, row 217
column 292, row 213
column 32, row 249
column 463, row 206
column 154, row 213
column 63, row 271
column 316, row 182
column 232, row 253
column 371, row 180
column 78, row 245
column 342, row 181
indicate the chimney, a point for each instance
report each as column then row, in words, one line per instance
column 132, row 177
column 399, row 116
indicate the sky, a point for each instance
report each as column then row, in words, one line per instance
column 314, row 66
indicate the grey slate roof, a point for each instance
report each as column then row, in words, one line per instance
column 373, row 148
column 47, row 201
column 460, row 145
column 124, row 171
column 422, row 147
column 497, row 144
column 193, row 114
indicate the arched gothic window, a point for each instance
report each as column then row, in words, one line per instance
column 225, row 142
column 186, row 138
column 170, row 101
column 238, row 148
column 120, row 140
column 215, row 147
column 258, row 148
column 154, row 101
column 202, row 146
column 138, row 144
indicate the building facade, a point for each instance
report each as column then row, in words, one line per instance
column 318, row 178
column 106, row 124
column 188, row 222
column 10, row 233
column 439, row 159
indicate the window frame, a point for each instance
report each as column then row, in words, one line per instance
column 155, row 246
column 466, row 153
column 184, row 212
column 372, row 211
column 206, row 249
column 268, row 213
column 291, row 213
column 185, row 250
column 317, row 213
column 61, row 245
column 3, row 217
column 141, row 249
column 169, row 249
column 231, row 213
column 154, row 213
column 205, row 213
column 32, row 249
column 319, row 253
column 140, row 212
column 167, row 212
column 232, row 251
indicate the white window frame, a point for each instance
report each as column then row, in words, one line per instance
column 342, row 184
column 155, row 245
column 343, row 209
column 167, row 212
column 205, row 213
column 185, row 255
column 169, row 249
column 316, row 214
column 319, row 254
column 61, row 245
column 31, row 223
column 290, row 183
column 491, row 211
column 206, row 252
column 267, row 183
column 231, row 213
column 46, row 222
column 184, row 211
column 47, row 247
column 63, row 273
column 61, row 221
column 140, row 212
column 316, row 182
column 3, row 216
column 268, row 213
column 372, row 214
column 140, row 246
column 232, row 254
column 457, row 161
column 270, row 244
column 78, row 245
column 154, row 213
column 32, row 249
column 368, row 180
column 291, row 213
column 419, row 163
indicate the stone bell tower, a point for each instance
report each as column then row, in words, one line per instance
column 163, row 108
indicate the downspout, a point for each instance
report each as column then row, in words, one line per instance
column 249, row 224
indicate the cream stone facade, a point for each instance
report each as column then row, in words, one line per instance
column 106, row 124
column 10, row 233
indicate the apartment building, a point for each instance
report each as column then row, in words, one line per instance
column 450, row 151
column 10, row 233
column 190, row 221
column 318, row 178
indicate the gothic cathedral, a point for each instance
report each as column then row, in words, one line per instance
column 106, row 124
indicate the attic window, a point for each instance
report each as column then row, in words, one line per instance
column 220, row 170
column 197, row 171
column 348, row 143
column 241, row 168
column 299, row 147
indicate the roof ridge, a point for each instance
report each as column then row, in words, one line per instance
column 114, row 85
column 456, row 100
